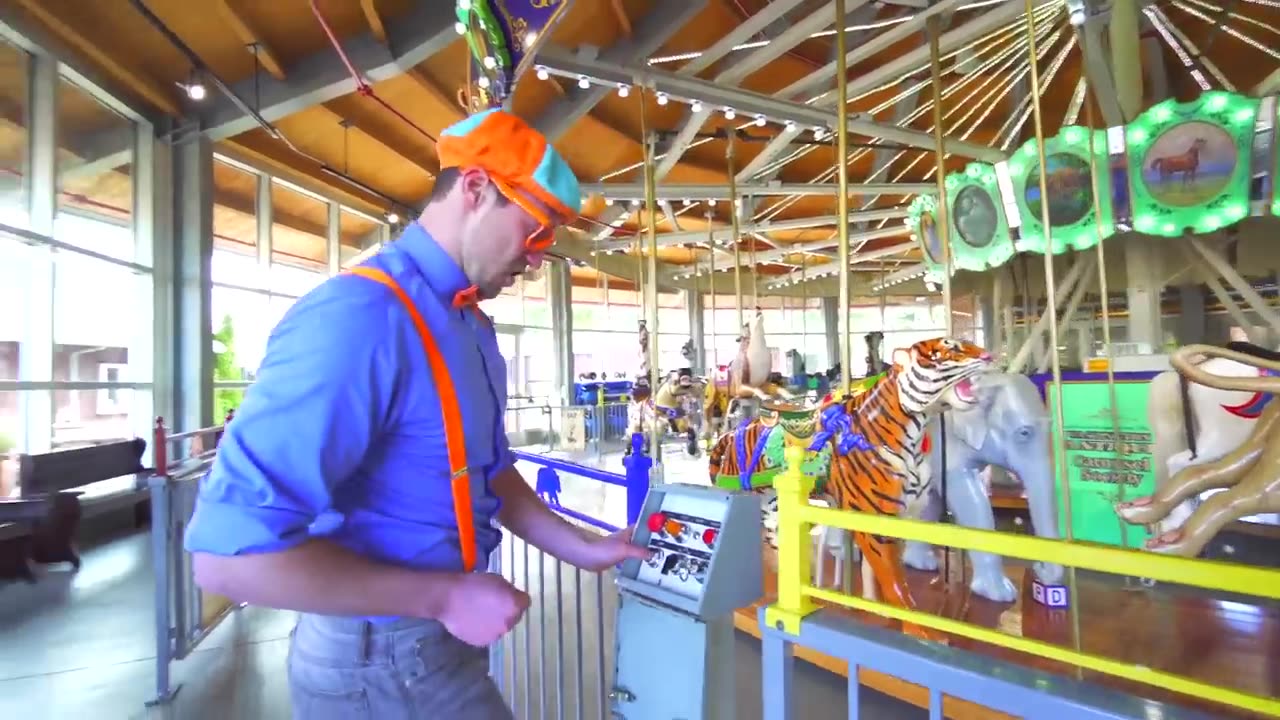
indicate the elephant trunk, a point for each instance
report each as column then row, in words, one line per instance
column 1037, row 475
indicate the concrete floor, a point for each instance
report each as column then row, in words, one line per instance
column 82, row 645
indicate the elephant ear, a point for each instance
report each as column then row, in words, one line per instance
column 971, row 425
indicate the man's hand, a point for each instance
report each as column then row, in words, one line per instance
column 482, row 607
column 604, row 551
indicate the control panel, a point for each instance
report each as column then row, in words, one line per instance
column 704, row 550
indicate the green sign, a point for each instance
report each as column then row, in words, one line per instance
column 1098, row 476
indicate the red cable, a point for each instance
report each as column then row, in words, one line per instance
column 362, row 87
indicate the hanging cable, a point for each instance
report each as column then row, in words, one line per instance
column 362, row 88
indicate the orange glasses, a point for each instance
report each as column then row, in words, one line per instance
column 542, row 238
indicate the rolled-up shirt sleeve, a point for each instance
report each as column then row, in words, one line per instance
column 322, row 394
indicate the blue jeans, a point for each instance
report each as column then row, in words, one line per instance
column 351, row 669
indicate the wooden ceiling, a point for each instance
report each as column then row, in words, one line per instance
column 356, row 136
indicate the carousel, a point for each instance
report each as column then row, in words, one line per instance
column 1145, row 470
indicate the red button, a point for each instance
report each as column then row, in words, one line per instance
column 656, row 522
column 709, row 536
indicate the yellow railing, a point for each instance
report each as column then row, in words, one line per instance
column 796, row 593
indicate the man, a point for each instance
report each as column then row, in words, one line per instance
column 360, row 478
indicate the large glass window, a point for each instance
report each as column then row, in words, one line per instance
column 95, row 178
column 357, row 233
column 299, row 240
column 251, row 293
column 93, row 337
column 15, row 68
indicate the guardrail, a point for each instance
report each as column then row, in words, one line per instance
column 786, row 618
column 635, row 481
column 557, row 663
column 184, row 614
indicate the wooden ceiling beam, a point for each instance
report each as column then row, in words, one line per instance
column 429, row 85
column 81, row 43
column 371, row 16
column 250, row 36
column 624, row 22
column 256, row 149
column 342, row 110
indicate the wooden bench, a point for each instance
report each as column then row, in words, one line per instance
column 44, row 519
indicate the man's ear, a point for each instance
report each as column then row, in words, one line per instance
column 902, row 357
column 473, row 183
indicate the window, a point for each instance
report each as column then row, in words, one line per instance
column 299, row 240
column 235, row 227
column 357, row 232
column 15, row 277
column 94, row 175
column 15, row 68
column 111, row 400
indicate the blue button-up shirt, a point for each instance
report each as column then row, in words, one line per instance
column 342, row 434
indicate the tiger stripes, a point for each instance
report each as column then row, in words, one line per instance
column 891, row 416
column 724, row 460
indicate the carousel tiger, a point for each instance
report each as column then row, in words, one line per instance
column 876, row 444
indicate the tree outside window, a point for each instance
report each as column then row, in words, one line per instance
column 225, row 370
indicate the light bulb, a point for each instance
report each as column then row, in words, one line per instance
column 489, row 62
column 583, row 82
column 543, row 74
column 459, row 28
column 196, row 91
column 696, row 106
column 687, row 202
column 483, row 82
column 760, row 121
column 623, row 90
column 608, row 201
column 729, row 114
column 393, row 218
column 662, row 98
column 464, row 5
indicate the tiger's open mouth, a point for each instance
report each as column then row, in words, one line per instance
column 964, row 391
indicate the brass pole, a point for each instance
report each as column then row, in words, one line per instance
column 731, row 157
column 1060, row 450
column 943, row 226
column 651, row 287
column 711, row 283
column 842, row 194
column 1106, row 314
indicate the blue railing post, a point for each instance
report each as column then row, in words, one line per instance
column 638, row 466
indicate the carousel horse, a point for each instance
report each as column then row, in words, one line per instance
column 1248, row 476
column 644, row 349
column 747, row 377
column 875, row 441
column 664, row 411
column 1194, row 424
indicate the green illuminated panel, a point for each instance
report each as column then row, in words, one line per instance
column 979, row 229
column 1071, row 191
column 1189, row 164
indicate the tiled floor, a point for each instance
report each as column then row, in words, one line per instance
column 82, row 645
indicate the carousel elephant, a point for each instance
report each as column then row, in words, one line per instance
column 1007, row 428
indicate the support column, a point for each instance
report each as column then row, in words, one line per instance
column 35, row 351
column 264, row 208
column 693, row 300
column 1142, row 269
column 1126, row 55
column 151, row 355
column 333, row 244
column 192, row 327
column 560, row 298
column 831, row 328
column 1191, row 317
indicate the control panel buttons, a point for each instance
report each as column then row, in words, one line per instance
column 656, row 521
column 709, row 537
column 674, row 528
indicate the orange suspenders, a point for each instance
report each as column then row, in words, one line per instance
column 459, row 473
